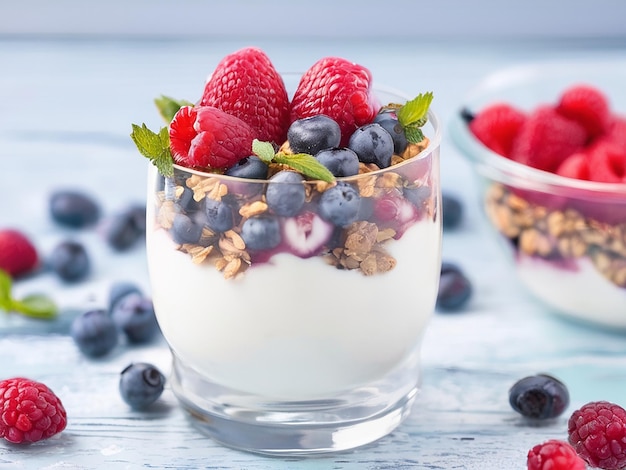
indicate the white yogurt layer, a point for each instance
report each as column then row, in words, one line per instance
column 296, row 328
column 582, row 293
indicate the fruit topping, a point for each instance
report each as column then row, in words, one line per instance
column 73, row 208
column 598, row 433
column 340, row 161
column 70, row 261
column 94, row 332
column 455, row 288
column 539, row 397
column 496, row 127
column 391, row 124
column 372, row 144
column 29, row 411
column 554, row 454
column 312, row 134
column 251, row 167
column 587, row 106
column 339, row 89
column 245, row 84
column 285, row 193
column 18, row 255
column 141, row 384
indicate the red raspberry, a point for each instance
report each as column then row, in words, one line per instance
column 17, row 254
column 205, row 137
column 588, row 106
column 554, row 455
column 246, row 84
column 29, row 411
column 607, row 161
column 598, row 433
column 546, row 139
column 497, row 125
column 339, row 89
column 575, row 166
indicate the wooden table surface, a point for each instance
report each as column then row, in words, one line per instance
column 65, row 112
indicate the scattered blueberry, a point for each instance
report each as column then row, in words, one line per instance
column 340, row 204
column 451, row 210
column 141, row 384
column 372, row 144
column 285, row 193
column 134, row 315
column 251, row 167
column 539, row 397
column 70, row 261
column 339, row 161
column 73, row 208
column 312, row 134
column 396, row 131
column 221, row 215
column 95, row 333
column 261, row 232
column 455, row 288
column 119, row 290
column 185, row 230
column 126, row 228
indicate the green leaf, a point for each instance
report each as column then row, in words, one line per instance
column 414, row 134
column 155, row 147
column 263, row 150
column 5, row 290
column 414, row 112
column 36, row 306
column 168, row 106
column 305, row 164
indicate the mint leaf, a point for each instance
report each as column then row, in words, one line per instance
column 414, row 134
column 414, row 112
column 263, row 150
column 168, row 107
column 155, row 147
column 305, row 164
column 5, row 290
column 36, row 306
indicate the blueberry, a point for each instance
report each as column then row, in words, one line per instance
column 185, row 230
column 312, row 134
column 251, row 167
column 396, row 131
column 221, row 215
column 417, row 195
column 340, row 204
column 134, row 316
column 539, row 397
column 451, row 211
column 261, row 232
column 455, row 288
column 70, row 261
column 73, row 209
column 372, row 144
column 339, row 161
column 285, row 193
column 119, row 290
column 94, row 332
column 126, row 228
column 141, row 384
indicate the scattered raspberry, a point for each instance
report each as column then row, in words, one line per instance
column 588, row 106
column 598, row 433
column 17, row 253
column 246, row 84
column 497, row 125
column 575, row 166
column 554, row 455
column 339, row 89
column 29, row 411
column 546, row 139
column 205, row 137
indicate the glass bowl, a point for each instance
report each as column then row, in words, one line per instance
column 566, row 238
column 297, row 333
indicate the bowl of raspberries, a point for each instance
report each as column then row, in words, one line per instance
column 548, row 145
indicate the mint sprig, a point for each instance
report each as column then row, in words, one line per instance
column 168, row 107
column 155, row 147
column 301, row 162
column 34, row 306
column 413, row 115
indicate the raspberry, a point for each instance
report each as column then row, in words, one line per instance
column 29, row 411
column 246, row 84
column 496, row 126
column 546, row 139
column 554, row 455
column 339, row 89
column 205, row 137
column 17, row 253
column 598, row 433
column 588, row 106
column 575, row 166
column 607, row 161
